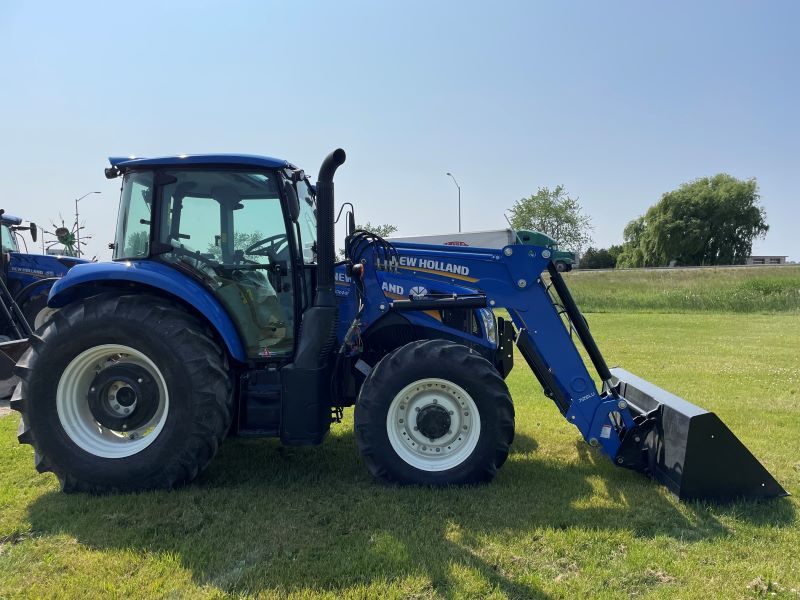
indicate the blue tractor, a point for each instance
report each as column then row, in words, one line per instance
column 25, row 280
column 226, row 312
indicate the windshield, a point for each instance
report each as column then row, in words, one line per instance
column 9, row 241
column 133, row 220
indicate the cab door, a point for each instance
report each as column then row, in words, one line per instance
column 230, row 229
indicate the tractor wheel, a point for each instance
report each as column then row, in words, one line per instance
column 36, row 311
column 434, row 413
column 123, row 393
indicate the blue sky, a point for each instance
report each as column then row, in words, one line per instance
column 618, row 101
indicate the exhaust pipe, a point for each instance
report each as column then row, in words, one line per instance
column 326, row 248
column 306, row 418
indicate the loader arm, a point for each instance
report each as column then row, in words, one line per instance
column 634, row 423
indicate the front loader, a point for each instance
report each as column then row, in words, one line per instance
column 224, row 312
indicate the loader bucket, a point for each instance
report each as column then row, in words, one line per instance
column 688, row 449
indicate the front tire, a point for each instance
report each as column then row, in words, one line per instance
column 123, row 393
column 434, row 413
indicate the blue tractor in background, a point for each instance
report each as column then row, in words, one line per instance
column 25, row 280
column 225, row 311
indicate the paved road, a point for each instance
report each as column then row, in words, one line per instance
column 4, row 410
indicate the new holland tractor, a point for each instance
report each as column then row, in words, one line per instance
column 25, row 281
column 225, row 311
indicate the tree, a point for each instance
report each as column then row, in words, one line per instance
column 241, row 241
column 136, row 243
column 709, row 221
column 383, row 231
column 614, row 251
column 597, row 258
column 555, row 213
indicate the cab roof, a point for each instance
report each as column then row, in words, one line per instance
column 10, row 219
column 124, row 163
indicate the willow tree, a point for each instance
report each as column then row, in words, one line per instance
column 708, row 221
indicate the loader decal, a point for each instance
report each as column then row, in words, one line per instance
column 436, row 267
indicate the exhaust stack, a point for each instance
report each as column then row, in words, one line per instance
column 326, row 249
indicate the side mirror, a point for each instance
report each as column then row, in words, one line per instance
column 292, row 200
column 34, row 231
column 351, row 223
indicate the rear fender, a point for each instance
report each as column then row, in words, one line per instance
column 94, row 278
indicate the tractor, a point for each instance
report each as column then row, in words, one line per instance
column 25, row 281
column 225, row 311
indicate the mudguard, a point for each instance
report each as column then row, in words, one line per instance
column 93, row 278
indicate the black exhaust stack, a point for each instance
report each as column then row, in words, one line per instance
column 306, row 383
column 326, row 248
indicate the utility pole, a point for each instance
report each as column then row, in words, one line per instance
column 459, row 200
column 78, row 225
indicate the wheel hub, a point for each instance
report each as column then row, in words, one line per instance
column 433, row 421
column 433, row 424
column 123, row 397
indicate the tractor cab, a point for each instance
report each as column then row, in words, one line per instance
column 247, row 232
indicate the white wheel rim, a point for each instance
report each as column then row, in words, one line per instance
column 450, row 449
column 42, row 317
column 76, row 417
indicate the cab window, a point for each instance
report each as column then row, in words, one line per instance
column 228, row 229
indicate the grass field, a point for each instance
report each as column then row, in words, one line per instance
column 759, row 290
column 559, row 521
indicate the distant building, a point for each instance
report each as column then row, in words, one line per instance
column 766, row 260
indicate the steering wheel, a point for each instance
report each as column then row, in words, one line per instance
column 274, row 243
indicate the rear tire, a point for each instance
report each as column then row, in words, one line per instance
column 434, row 413
column 97, row 436
column 561, row 266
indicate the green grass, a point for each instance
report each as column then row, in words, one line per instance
column 759, row 290
column 559, row 521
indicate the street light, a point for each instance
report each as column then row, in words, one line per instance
column 78, row 223
column 459, row 200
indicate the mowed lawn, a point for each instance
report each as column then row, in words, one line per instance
column 559, row 521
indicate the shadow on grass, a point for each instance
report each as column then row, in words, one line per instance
column 265, row 517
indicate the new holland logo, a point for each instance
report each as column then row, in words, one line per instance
column 418, row 291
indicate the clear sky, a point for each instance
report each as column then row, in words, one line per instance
column 618, row 101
